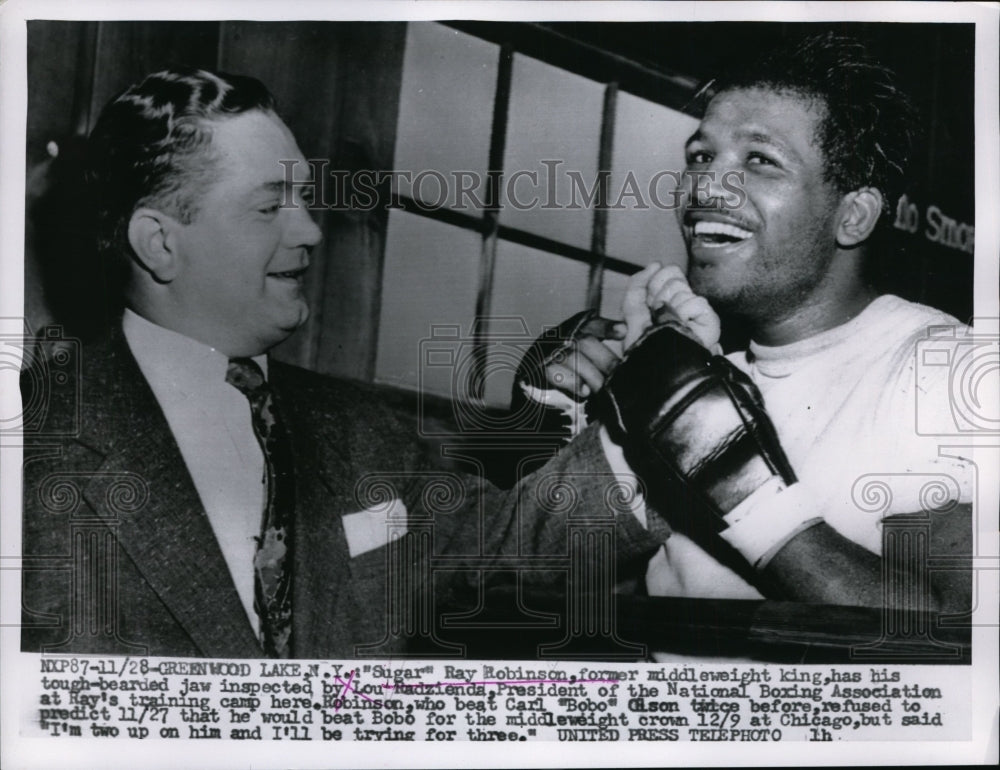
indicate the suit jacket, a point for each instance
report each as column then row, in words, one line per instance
column 120, row 557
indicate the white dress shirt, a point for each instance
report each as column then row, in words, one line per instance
column 211, row 422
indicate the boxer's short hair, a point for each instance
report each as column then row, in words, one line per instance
column 869, row 124
column 151, row 147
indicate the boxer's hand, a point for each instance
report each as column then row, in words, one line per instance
column 669, row 298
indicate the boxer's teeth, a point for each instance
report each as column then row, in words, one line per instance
column 720, row 231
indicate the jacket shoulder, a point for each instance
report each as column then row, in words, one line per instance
column 350, row 402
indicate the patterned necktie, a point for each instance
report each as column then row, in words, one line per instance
column 273, row 559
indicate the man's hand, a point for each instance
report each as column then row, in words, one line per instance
column 581, row 364
column 561, row 369
column 669, row 295
column 577, row 362
column 659, row 294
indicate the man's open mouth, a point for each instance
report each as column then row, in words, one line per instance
column 711, row 234
column 291, row 275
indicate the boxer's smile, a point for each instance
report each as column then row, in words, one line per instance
column 715, row 236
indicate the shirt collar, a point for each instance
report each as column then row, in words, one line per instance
column 796, row 351
column 174, row 360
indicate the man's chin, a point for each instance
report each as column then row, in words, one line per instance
column 294, row 323
column 284, row 327
column 302, row 316
column 706, row 281
column 724, row 297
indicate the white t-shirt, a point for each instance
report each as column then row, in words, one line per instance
column 854, row 408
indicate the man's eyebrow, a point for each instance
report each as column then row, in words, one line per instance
column 280, row 186
column 749, row 134
column 760, row 137
column 695, row 137
column 757, row 136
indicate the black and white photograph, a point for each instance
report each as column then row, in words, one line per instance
column 616, row 381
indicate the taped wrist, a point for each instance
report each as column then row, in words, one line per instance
column 767, row 519
column 695, row 416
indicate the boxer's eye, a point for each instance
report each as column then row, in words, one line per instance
column 760, row 159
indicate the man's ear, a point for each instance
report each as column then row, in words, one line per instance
column 859, row 213
column 151, row 233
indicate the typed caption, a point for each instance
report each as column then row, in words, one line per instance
column 170, row 700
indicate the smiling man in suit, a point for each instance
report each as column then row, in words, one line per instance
column 245, row 529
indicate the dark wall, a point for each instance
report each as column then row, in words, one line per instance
column 337, row 85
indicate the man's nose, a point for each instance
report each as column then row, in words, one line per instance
column 704, row 186
column 304, row 231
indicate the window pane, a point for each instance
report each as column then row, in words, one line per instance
column 445, row 110
column 431, row 280
column 531, row 290
column 649, row 139
column 554, row 116
column 613, row 294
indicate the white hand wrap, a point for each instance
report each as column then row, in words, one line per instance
column 760, row 525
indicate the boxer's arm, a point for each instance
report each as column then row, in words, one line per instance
column 682, row 412
column 821, row 565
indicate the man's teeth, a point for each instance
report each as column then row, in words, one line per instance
column 720, row 229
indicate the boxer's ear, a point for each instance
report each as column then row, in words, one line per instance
column 151, row 236
column 857, row 215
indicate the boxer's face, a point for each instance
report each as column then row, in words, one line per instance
column 242, row 259
column 772, row 253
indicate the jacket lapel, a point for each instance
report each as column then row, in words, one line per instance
column 323, row 475
column 169, row 537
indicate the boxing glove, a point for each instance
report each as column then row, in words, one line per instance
column 694, row 415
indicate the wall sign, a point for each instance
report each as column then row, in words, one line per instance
column 938, row 226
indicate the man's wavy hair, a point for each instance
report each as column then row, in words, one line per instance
column 151, row 146
column 869, row 125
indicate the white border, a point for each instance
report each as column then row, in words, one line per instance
column 43, row 753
